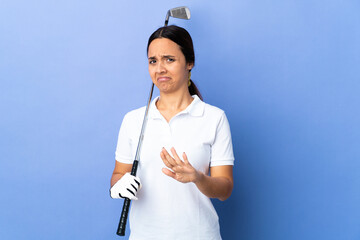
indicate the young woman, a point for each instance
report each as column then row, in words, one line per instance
column 187, row 156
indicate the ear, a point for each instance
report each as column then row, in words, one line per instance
column 190, row 66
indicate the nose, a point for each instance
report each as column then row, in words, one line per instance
column 160, row 68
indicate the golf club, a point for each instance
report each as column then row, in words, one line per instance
column 178, row 12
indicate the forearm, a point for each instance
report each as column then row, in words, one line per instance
column 214, row 187
column 119, row 171
column 115, row 177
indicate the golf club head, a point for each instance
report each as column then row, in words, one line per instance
column 178, row 12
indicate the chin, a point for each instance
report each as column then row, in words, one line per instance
column 166, row 91
column 165, row 88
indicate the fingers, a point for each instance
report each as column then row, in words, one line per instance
column 180, row 170
column 137, row 181
column 174, row 163
column 168, row 160
column 165, row 158
column 168, row 172
column 185, row 158
column 130, row 194
column 126, row 187
column 176, row 156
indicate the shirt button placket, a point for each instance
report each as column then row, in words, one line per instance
column 167, row 134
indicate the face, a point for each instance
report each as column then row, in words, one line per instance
column 167, row 66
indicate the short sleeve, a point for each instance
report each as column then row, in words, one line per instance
column 123, row 151
column 222, row 149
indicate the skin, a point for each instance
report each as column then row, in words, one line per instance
column 169, row 71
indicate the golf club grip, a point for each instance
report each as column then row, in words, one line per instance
column 123, row 217
column 125, row 210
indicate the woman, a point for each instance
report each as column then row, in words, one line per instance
column 186, row 156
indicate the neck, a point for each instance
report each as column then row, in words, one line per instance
column 174, row 102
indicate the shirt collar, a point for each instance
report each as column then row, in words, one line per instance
column 196, row 108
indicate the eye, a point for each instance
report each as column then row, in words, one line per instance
column 170, row 60
column 152, row 61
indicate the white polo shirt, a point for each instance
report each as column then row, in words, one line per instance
column 168, row 209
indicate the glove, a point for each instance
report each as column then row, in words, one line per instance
column 126, row 187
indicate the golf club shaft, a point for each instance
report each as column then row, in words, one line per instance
column 125, row 210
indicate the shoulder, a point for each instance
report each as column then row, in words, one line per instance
column 213, row 109
column 133, row 117
column 213, row 112
column 215, row 116
column 136, row 113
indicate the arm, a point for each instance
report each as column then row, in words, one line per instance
column 119, row 171
column 218, row 185
column 123, row 184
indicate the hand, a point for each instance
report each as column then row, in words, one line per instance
column 181, row 171
column 126, row 187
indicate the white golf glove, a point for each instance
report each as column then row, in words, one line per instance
column 126, row 187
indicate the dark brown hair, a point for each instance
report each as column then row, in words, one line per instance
column 182, row 38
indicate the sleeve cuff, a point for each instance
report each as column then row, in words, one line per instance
column 222, row 162
column 124, row 160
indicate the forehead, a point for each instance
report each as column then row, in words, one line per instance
column 163, row 46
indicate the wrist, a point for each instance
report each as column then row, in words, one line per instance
column 198, row 177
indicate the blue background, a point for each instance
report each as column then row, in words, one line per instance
column 287, row 73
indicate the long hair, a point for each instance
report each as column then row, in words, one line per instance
column 182, row 38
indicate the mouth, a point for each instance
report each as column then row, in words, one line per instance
column 163, row 79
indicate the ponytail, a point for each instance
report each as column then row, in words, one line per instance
column 193, row 90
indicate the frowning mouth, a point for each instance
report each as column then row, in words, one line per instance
column 163, row 79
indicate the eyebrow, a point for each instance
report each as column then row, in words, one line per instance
column 164, row 56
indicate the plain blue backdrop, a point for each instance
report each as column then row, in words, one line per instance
column 287, row 74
